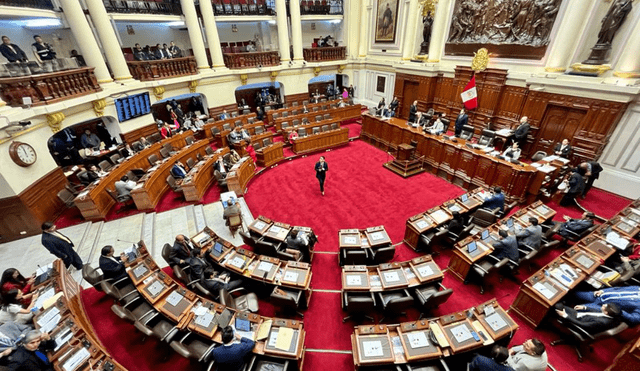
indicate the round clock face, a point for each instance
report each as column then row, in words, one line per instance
column 23, row 154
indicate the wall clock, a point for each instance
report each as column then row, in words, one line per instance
column 22, row 154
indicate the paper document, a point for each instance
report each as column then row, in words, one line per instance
column 440, row 216
column 237, row 262
column 391, row 276
column 200, row 310
column 585, row 261
column 205, row 319
column 375, row 280
column 425, row 271
column 285, row 336
column 290, row 276
column 246, row 334
column 62, row 338
column 44, row 296
column 376, row 236
column 422, row 224
column 264, row 329
column 174, row 298
column 155, row 288
column 51, row 324
column 397, row 345
column 140, row 271
column 409, row 273
column 495, row 321
column 461, row 333
column 417, row 339
column 275, row 229
column 76, row 359
column 47, row 316
column 260, row 224
column 354, row 280
column 546, row 290
column 372, row 348
column 350, row 240
column 616, row 240
column 504, row 132
column 265, row 266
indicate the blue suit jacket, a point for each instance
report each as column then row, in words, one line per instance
column 231, row 357
column 178, row 172
column 507, row 248
column 627, row 298
column 497, row 200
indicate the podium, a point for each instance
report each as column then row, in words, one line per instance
column 403, row 165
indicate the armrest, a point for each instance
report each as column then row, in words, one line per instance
column 149, row 319
column 502, row 263
column 441, row 232
column 192, row 282
column 578, row 330
column 444, row 364
column 239, row 289
column 134, row 292
column 121, row 280
column 479, row 267
column 207, row 354
column 169, row 335
column 132, row 301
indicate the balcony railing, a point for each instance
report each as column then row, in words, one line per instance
column 144, row 7
column 162, row 69
column 41, row 4
column 49, row 87
column 325, row 54
column 257, row 7
column 251, row 59
column 322, row 7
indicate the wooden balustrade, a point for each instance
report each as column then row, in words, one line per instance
column 251, row 59
column 325, row 54
column 162, row 69
column 49, row 87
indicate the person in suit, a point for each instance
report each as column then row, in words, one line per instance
column 380, row 107
column 89, row 175
column 178, row 170
column 438, row 126
column 160, row 53
column 60, row 246
column 321, row 172
column 112, row 266
column 139, row 54
column 232, row 209
column 219, row 165
column 412, row 111
column 521, row 132
column 592, row 171
column 351, row 91
column 180, row 251
column 512, row 152
column 507, row 247
column 213, row 281
column 393, row 106
column 32, row 354
column 532, row 235
column 575, row 187
column 591, row 320
column 530, row 356
column 571, row 226
column 497, row 361
column 230, row 356
column 461, row 121
column 141, row 144
column 224, row 115
column 456, row 225
column 259, row 114
column 174, row 50
column 12, row 52
column 90, row 140
column 238, row 135
column 495, row 201
column 197, row 264
column 563, row 149
column 166, row 51
column 42, row 50
column 124, row 186
column 627, row 298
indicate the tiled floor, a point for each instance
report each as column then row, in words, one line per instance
column 155, row 229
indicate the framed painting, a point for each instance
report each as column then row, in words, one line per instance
column 380, row 82
column 386, row 21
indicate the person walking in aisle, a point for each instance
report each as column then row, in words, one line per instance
column 321, row 172
column 60, row 246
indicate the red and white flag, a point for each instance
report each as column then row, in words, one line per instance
column 470, row 94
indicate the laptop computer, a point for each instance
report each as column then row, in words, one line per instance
column 217, row 249
column 243, row 325
column 464, row 197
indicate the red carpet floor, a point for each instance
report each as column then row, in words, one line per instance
column 359, row 193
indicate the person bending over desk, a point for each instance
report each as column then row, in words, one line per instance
column 112, row 266
column 230, row 355
column 496, row 362
column 214, row 281
column 627, row 298
column 575, row 187
column 60, row 246
column 124, row 186
column 530, row 356
column 180, row 251
column 495, row 201
column 591, row 320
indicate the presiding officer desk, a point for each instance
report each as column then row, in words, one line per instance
column 63, row 316
column 200, row 177
column 540, row 292
column 454, row 161
column 462, row 260
column 94, row 202
column 426, row 339
column 188, row 311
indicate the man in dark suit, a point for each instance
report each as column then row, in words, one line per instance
column 230, row 355
column 591, row 320
column 521, row 132
column 495, row 201
column 575, row 186
column 213, row 281
column 592, row 172
column 112, row 266
column 393, row 106
column 532, row 235
column 139, row 54
column 180, row 251
column 60, row 246
column 461, row 121
column 160, row 53
column 178, row 171
column 412, row 111
column 563, row 149
column 507, row 247
column 576, row 226
column 12, row 52
column 197, row 264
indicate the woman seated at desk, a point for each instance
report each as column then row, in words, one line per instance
column 512, row 152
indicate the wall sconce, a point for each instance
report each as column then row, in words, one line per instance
column 234, row 28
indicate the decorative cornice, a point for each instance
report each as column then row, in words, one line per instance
column 54, row 120
column 98, row 107
column 243, row 78
column 433, row 61
column 341, row 67
column 626, row 75
column 193, row 85
column 104, row 81
column 158, row 91
column 122, row 78
column 555, row 69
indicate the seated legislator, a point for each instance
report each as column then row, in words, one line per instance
column 126, row 152
column 572, row 227
column 380, row 107
column 197, row 264
column 531, row 236
column 90, row 140
column 166, row 130
column 178, row 170
column 563, row 149
column 12, row 52
column 512, row 152
column 234, row 157
column 141, row 144
column 230, row 356
column 591, row 320
column 393, row 106
column 438, row 126
column 11, row 309
column 12, row 279
column 238, row 135
column 32, row 355
column 213, row 281
column 530, row 356
column 456, row 225
column 124, row 186
column 11, row 335
column 112, row 266
column 626, row 298
column 298, row 244
column 497, row 360
column 507, row 247
column 495, row 201
column 219, row 165
column 180, row 251
column 224, row 115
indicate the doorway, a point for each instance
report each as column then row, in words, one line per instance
column 409, row 94
column 557, row 124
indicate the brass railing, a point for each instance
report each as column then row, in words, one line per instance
column 162, row 69
column 49, row 87
column 251, row 59
column 325, row 54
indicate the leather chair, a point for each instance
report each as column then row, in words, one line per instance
column 452, row 238
column 153, row 158
column 92, row 276
column 222, row 181
column 248, row 302
column 125, row 292
column 355, row 256
column 266, row 142
column 538, row 156
column 155, row 138
column 135, row 311
column 358, row 304
column 484, row 267
column 285, row 114
column 157, row 325
column 203, row 290
column 190, row 139
column 259, row 129
column 226, row 127
column 295, row 112
column 193, row 347
column 248, row 240
column 191, row 163
column 166, row 251
column 315, row 130
column 171, row 181
column 486, row 139
column 115, row 158
column 208, row 150
column 234, row 114
column 264, row 363
column 105, row 165
column 181, row 274
column 394, row 303
column 237, row 123
column 302, row 132
column 165, row 153
column 66, row 197
column 169, row 148
column 132, row 176
column 315, row 109
column 428, row 240
column 305, row 102
column 327, row 116
column 484, row 218
column 384, row 254
column 318, row 118
column 431, row 297
column 578, row 337
column 325, row 128
column 257, row 145
column 199, row 157
column 334, row 126
column 288, row 300
column 251, row 120
column 507, row 209
column 135, row 144
column 467, row 132
column 433, row 365
column 215, row 131
column 305, row 120
column 124, row 201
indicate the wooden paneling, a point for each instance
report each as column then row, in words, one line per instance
column 296, row 98
column 217, row 111
column 133, row 135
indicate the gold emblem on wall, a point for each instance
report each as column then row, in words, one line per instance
column 341, row 68
column 428, row 6
column 158, row 91
column 273, row 75
column 193, row 85
column 316, row 70
column 54, row 120
column 244, row 77
column 480, row 60
column 98, row 106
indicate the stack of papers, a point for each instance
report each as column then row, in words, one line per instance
column 546, row 290
column 616, row 240
column 417, row 339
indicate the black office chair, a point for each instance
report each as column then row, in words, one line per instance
column 296, row 122
column 288, row 300
column 158, row 326
column 136, row 311
column 538, row 156
column 124, row 201
column 215, row 131
column 171, row 181
column 193, row 347
column 208, row 150
column 285, row 114
column 325, row 128
column 483, row 268
column 251, row 120
column 105, row 165
column 226, row 127
column 153, row 158
column 115, row 158
column 190, row 139
column 486, row 139
column 123, row 292
column 66, row 197
column 394, row 303
column 451, row 238
column 92, row 276
column 266, row 363
column 384, row 254
column 315, row 130
column 302, row 132
column 166, row 252
column 430, row 239
column 355, row 256
column 467, row 132
column 318, row 118
column 431, row 297
column 433, row 365
column 248, row 240
column 334, row 126
column 234, row 114
column 484, row 218
column 578, row 337
column 248, row 302
column 358, row 304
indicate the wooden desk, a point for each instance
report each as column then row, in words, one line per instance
column 240, row 174
column 299, row 108
column 263, row 227
column 320, row 141
column 270, row 155
column 198, row 180
column 221, row 140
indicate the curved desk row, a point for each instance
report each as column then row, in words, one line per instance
column 391, row 276
column 421, row 340
column 341, row 113
column 244, row 119
column 454, row 161
column 200, row 177
column 240, row 174
column 320, row 141
column 290, row 110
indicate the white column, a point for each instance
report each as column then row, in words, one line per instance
column 410, row 31
column 87, row 43
column 110, row 42
column 195, row 34
column 283, row 30
column 439, row 30
column 628, row 65
column 211, row 30
column 296, row 29
column 364, row 28
column 571, row 27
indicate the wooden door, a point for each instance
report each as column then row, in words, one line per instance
column 409, row 94
column 558, row 123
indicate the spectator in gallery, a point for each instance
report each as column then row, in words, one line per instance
column 12, row 52
column 42, row 50
column 174, row 50
column 79, row 58
column 166, row 130
column 160, row 53
column 139, row 54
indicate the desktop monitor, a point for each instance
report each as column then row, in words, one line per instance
column 485, row 234
column 243, row 325
column 217, row 247
column 472, row 247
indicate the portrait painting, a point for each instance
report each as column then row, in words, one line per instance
column 386, row 20
column 380, row 82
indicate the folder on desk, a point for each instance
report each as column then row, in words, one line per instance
column 264, row 329
column 285, row 336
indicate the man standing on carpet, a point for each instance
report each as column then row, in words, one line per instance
column 321, row 172
column 60, row 246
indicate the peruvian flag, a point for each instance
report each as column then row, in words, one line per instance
column 470, row 94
